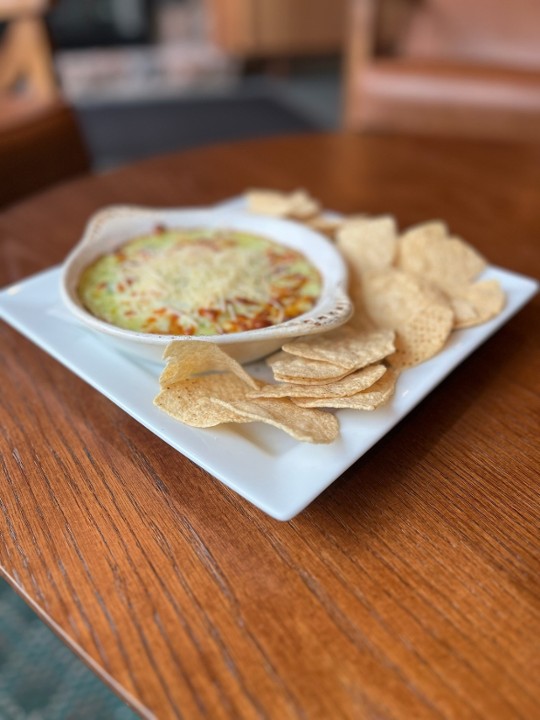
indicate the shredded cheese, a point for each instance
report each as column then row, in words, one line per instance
column 199, row 282
column 200, row 277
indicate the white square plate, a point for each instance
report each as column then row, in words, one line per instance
column 264, row 465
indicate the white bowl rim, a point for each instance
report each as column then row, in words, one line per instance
column 333, row 308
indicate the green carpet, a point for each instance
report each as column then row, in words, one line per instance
column 40, row 679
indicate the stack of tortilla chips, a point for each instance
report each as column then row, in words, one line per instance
column 202, row 386
column 410, row 291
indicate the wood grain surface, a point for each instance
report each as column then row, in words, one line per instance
column 409, row 589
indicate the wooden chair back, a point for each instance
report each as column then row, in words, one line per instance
column 454, row 67
column 492, row 32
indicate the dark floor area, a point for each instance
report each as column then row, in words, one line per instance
column 119, row 133
column 40, row 679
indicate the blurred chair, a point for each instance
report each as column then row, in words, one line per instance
column 466, row 68
column 40, row 141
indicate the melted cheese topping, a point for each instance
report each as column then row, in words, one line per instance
column 199, row 282
column 204, row 278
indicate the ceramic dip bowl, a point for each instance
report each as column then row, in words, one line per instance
column 113, row 226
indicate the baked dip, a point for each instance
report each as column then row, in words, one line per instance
column 199, row 282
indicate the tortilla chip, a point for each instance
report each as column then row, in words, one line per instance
column 422, row 336
column 345, row 347
column 290, row 368
column 360, row 320
column 391, row 297
column 477, row 303
column 325, row 225
column 420, row 314
column 448, row 262
column 191, row 400
column 368, row 244
column 329, row 225
column 353, row 383
column 303, row 425
column 187, row 358
column 379, row 394
column 298, row 204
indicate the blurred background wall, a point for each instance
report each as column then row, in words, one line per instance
column 151, row 76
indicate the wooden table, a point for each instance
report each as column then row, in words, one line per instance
column 409, row 589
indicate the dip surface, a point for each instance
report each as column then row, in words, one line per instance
column 199, row 282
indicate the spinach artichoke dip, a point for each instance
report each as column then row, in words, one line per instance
column 199, row 282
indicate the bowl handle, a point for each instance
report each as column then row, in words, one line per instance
column 334, row 313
